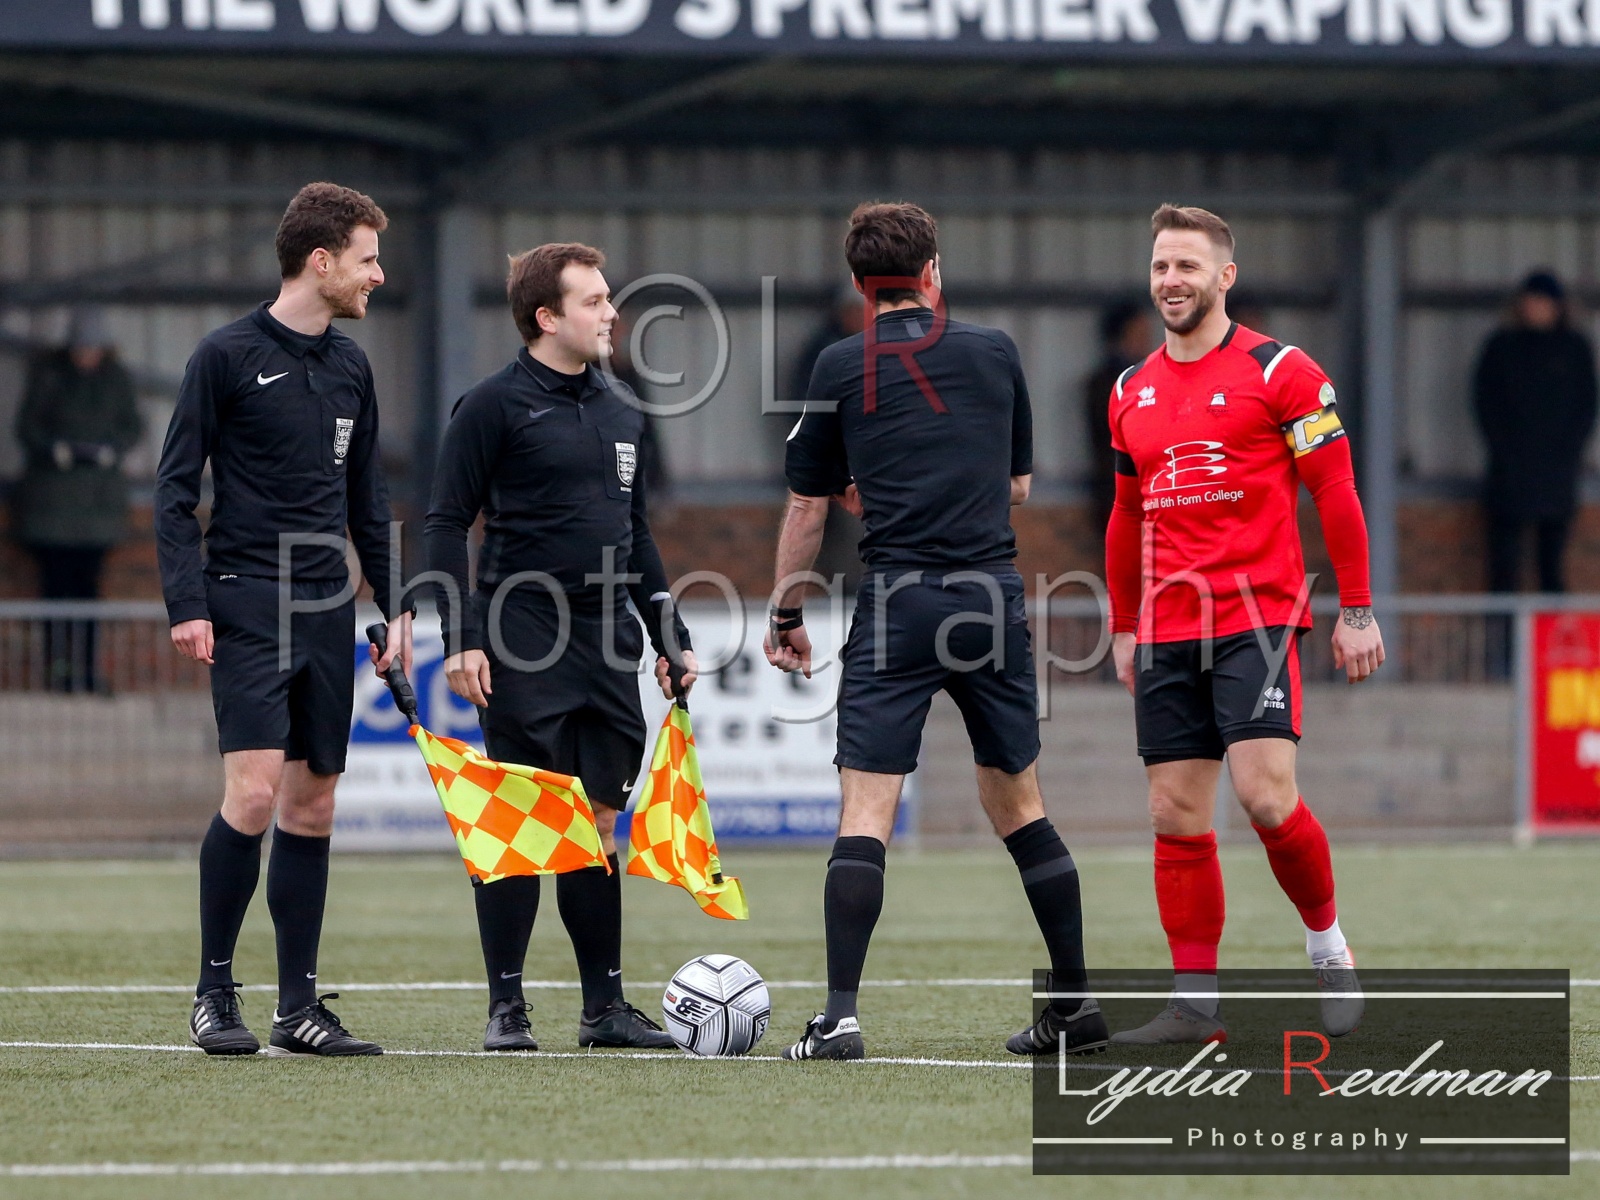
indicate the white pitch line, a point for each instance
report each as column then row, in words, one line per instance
column 877, row 1162
column 472, row 985
column 464, row 985
column 1016, row 1064
column 599, row 1055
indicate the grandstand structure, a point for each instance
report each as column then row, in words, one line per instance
column 1389, row 183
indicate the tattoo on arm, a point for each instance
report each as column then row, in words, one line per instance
column 1359, row 616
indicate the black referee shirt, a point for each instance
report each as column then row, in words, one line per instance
column 933, row 466
column 552, row 461
column 290, row 424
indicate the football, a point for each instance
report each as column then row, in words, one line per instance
column 715, row 1006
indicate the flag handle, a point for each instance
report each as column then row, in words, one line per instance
column 674, row 654
column 405, row 699
column 675, row 674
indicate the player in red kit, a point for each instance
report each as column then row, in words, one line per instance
column 1214, row 433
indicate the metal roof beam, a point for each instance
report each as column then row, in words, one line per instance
column 297, row 114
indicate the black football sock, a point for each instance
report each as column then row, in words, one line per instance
column 1050, row 878
column 297, row 892
column 852, row 899
column 590, row 903
column 506, row 909
column 230, row 866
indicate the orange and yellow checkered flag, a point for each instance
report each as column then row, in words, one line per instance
column 509, row 819
column 671, row 839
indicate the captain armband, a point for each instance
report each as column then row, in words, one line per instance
column 1314, row 430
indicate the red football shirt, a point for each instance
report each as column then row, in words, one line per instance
column 1213, row 443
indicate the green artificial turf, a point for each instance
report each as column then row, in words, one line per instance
column 955, row 915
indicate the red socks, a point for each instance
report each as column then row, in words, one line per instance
column 1298, row 853
column 1189, row 895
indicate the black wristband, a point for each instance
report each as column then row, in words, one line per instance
column 785, row 619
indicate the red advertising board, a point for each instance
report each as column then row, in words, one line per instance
column 1565, row 699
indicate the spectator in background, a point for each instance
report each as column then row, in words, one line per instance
column 847, row 317
column 77, row 420
column 1534, row 394
column 843, row 531
column 1125, row 338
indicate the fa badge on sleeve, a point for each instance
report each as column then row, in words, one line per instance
column 627, row 464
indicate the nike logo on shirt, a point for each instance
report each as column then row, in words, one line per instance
column 535, row 413
column 263, row 380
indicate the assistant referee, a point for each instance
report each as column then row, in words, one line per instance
column 283, row 407
column 547, row 449
column 924, row 424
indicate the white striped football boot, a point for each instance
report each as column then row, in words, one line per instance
column 314, row 1031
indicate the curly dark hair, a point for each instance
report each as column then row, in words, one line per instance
column 322, row 216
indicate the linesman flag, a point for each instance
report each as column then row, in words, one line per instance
column 508, row 819
column 671, row 839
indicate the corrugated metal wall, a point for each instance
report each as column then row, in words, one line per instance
column 180, row 234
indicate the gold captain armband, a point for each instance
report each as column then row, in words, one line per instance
column 1313, row 431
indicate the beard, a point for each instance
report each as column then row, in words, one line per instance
column 344, row 300
column 1204, row 302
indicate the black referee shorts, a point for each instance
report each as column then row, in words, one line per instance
column 965, row 632
column 1186, row 709
column 303, row 708
column 576, row 716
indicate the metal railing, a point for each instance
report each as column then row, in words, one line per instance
column 107, row 735
column 104, row 647
column 1466, row 638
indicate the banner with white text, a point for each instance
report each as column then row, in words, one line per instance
column 1266, row 30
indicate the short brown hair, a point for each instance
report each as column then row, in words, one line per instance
column 322, row 216
column 535, row 281
column 1173, row 216
column 888, row 240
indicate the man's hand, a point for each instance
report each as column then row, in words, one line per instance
column 468, row 673
column 193, row 640
column 397, row 642
column 789, row 649
column 1123, row 647
column 850, row 501
column 691, row 672
column 1357, row 643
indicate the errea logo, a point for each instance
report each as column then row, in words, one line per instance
column 1273, row 697
column 1147, row 396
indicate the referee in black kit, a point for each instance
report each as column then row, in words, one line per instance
column 548, row 450
column 282, row 404
column 923, row 424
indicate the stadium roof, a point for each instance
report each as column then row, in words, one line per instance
column 454, row 109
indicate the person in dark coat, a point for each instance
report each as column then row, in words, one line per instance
column 78, row 418
column 1125, row 338
column 1535, row 398
column 844, row 529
